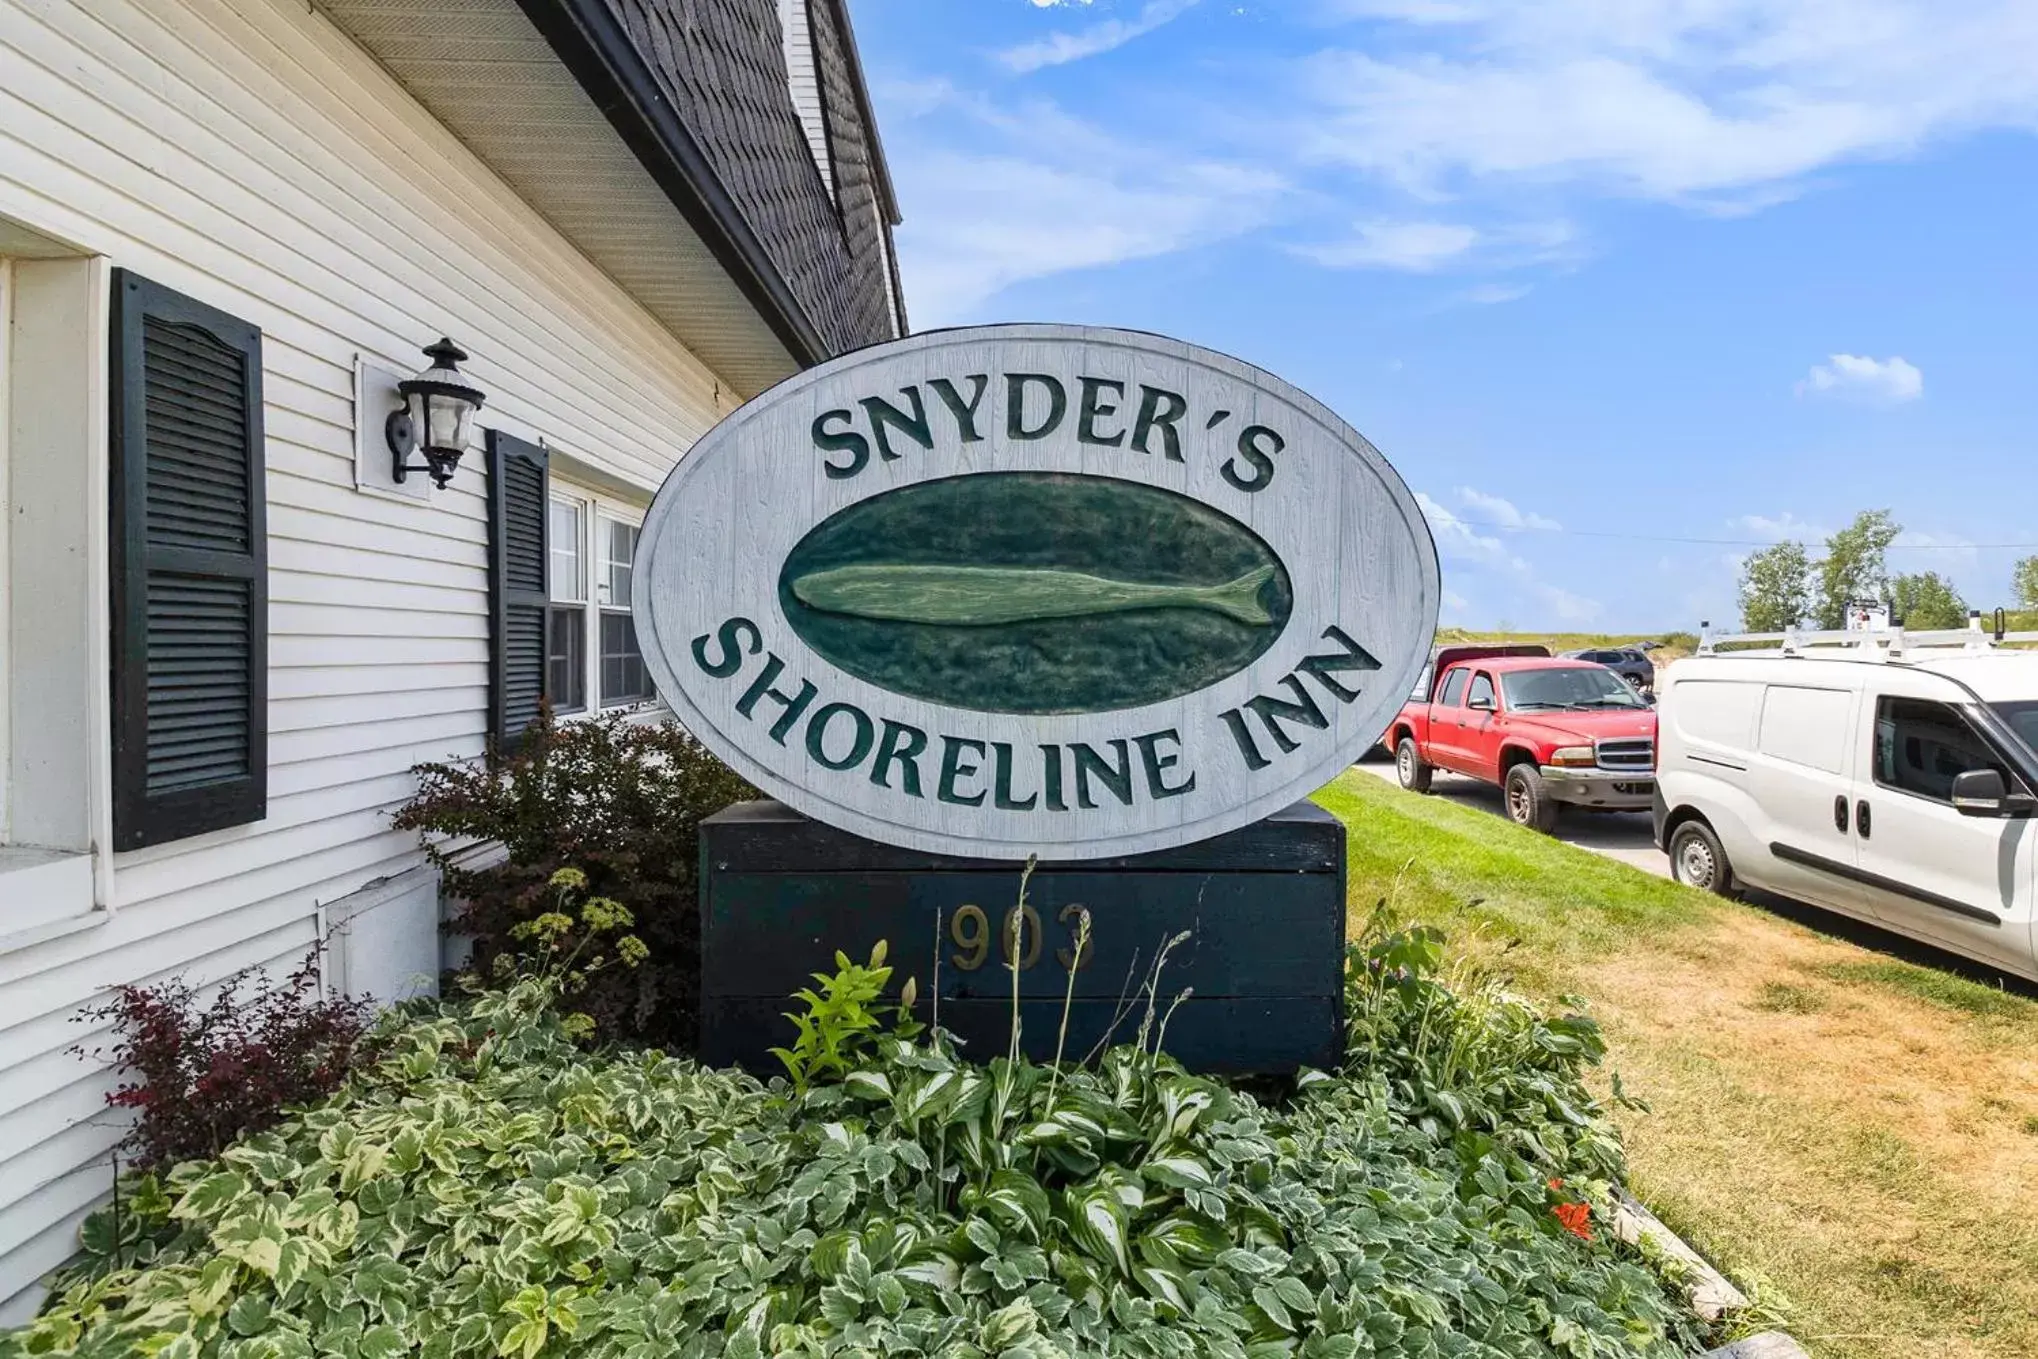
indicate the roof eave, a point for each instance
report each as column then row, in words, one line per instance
column 592, row 43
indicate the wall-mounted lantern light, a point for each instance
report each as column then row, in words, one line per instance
column 437, row 418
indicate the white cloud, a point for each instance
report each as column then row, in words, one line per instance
column 1941, row 552
column 1567, row 607
column 1676, row 99
column 1457, row 539
column 1419, row 134
column 1037, row 192
column 1492, row 294
column 1502, row 513
column 1785, row 527
column 1460, row 542
column 1421, row 247
column 1889, row 380
column 1060, row 48
column 1417, row 247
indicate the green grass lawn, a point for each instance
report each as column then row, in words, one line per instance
column 1851, row 1136
column 1494, row 888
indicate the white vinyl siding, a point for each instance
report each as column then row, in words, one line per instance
column 268, row 167
column 805, row 83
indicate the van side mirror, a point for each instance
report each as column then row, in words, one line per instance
column 1980, row 792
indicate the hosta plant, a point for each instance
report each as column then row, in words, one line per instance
column 489, row 1189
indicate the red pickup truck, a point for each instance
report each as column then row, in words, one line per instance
column 1550, row 732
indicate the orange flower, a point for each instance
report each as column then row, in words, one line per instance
column 1556, row 1184
column 1576, row 1219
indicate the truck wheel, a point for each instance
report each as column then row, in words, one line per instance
column 1409, row 766
column 1528, row 800
column 1697, row 860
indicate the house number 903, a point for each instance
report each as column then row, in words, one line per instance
column 971, row 930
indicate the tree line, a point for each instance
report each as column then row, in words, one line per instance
column 1785, row 587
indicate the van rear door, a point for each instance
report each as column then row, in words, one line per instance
column 1964, row 882
column 1801, row 782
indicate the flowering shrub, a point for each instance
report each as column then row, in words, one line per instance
column 570, row 944
column 619, row 801
column 487, row 1188
column 200, row 1076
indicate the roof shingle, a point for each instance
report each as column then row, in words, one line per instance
column 721, row 64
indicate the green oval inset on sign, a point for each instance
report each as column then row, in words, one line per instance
column 1035, row 592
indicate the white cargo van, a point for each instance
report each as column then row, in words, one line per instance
column 1890, row 778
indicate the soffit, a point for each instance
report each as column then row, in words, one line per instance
column 483, row 70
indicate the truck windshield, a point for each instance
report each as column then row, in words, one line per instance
column 1573, row 687
column 2023, row 719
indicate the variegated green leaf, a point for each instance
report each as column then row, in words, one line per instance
column 1097, row 1224
column 1178, row 1172
column 211, row 1196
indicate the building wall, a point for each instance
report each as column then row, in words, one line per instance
column 805, row 83
column 247, row 153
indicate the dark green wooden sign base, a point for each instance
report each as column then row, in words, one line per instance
column 1264, row 907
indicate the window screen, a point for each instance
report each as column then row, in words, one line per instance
column 1482, row 689
column 1454, row 687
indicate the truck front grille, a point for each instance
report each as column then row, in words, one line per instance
column 1635, row 754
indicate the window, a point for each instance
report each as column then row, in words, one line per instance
column 1806, row 726
column 1921, row 747
column 591, row 655
column 566, row 617
column 2023, row 719
column 1568, row 687
column 623, row 676
column 1454, row 688
column 1482, row 691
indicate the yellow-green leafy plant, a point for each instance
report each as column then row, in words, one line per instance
column 568, row 946
column 840, row 1021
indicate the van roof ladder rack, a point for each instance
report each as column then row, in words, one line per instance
column 1878, row 644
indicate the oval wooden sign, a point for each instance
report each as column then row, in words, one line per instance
column 1049, row 590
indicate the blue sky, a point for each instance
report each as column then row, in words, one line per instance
column 1620, row 286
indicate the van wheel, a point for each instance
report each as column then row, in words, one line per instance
column 1410, row 768
column 1528, row 800
column 1696, row 859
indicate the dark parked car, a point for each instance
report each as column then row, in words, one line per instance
column 1630, row 663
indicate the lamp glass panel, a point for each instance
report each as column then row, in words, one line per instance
column 449, row 419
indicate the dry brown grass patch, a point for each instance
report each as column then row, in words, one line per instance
column 1861, row 1151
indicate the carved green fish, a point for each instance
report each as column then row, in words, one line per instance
column 981, row 596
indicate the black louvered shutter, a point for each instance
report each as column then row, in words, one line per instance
column 517, row 474
column 189, row 568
